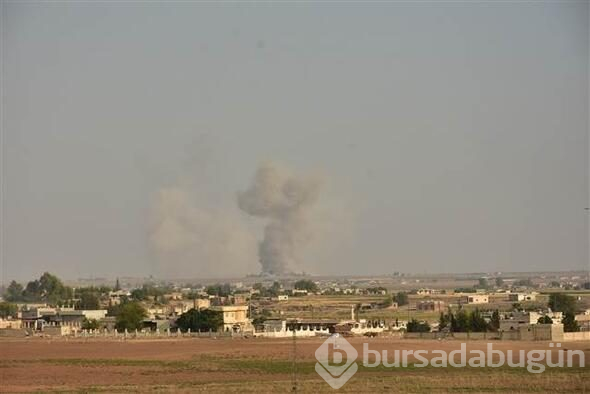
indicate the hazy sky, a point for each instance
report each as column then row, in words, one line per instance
column 450, row 136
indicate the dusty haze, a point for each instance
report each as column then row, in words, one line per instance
column 449, row 136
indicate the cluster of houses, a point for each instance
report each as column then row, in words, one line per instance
column 236, row 311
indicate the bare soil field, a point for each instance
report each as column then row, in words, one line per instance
column 255, row 365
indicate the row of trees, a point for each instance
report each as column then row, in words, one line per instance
column 51, row 290
column 468, row 321
column 48, row 288
column 306, row 284
column 130, row 316
column 150, row 292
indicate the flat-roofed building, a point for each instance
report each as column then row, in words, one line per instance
column 235, row 317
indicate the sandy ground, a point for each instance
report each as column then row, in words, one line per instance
column 228, row 365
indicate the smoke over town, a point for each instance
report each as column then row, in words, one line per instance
column 284, row 200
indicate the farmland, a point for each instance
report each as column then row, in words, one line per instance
column 254, row 365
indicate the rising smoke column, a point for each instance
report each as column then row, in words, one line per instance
column 284, row 200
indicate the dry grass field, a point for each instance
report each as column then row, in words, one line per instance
column 254, row 365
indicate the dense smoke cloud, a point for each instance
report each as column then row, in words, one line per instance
column 284, row 200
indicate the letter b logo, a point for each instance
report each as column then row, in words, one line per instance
column 336, row 361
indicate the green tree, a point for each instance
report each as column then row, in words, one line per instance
column 495, row 321
column 306, row 284
column 401, row 298
column 7, row 309
column 387, row 302
column 499, row 282
column 443, row 321
column 14, row 292
column 91, row 324
column 416, row 326
column 569, row 322
column 560, row 302
column 545, row 320
column 476, row 322
column 32, row 291
column 48, row 288
column 200, row 320
column 52, row 290
column 89, row 300
column 483, row 283
column 462, row 322
column 138, row 294
column 130, row 316
column 261, row 317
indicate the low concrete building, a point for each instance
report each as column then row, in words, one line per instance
column 275, row 328
column 75, row 318
column 41, row 318
column 516, row 320
column 516, row 297
column 283, row 297
column 476, row 299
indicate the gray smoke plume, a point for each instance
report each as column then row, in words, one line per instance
column 284, row 200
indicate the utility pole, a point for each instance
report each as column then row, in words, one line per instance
column 294, row 361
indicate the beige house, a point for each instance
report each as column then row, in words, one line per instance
column 235, row 317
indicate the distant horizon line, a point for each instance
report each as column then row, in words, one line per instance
column 395, row 274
